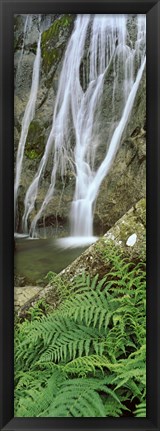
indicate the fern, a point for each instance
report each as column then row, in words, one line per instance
column 113, row 408
column 38, row 397
column 79, row 397
column 86, row 358
column 140, row 411
column 85, row 364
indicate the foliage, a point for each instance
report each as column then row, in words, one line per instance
column 37, row 312
column 87, row 358
column 140, row 411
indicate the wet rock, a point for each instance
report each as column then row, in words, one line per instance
column 132, row 224
column 126, row 181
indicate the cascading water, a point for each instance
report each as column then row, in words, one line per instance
column 69, row 93
column 108, row 47
column 27, row 118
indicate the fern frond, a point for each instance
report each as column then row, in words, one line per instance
column 140, row 411
column 77, row 341
column 86, row 364
column 114, row 408
column 77, row 402
column 37, row 398
column 81, row 396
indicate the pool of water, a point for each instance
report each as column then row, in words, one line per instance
column 35, row 258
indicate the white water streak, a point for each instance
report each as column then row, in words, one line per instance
column 27, row 118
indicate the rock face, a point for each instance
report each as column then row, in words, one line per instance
column 125, row 183
column 128, row 235
column 24, row 294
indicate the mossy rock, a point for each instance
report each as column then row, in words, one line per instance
column 35, row 141
column 53, row 41
column 54, row 30
column 50, row 56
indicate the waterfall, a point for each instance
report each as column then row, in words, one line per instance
column 81, row 211
column 27, row 118
column 103, row 39
column 69, row 92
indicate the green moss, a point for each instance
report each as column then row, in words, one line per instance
column 35, row 141
column 49, row 57
column 60, row 23
column 50, row 52
column 141, row 207
column 32, row 154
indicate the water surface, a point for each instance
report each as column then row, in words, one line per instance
column 35, row 258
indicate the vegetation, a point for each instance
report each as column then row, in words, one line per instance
column 87, row 358
column 35, row 141
column 58, row 25
column 50, row 53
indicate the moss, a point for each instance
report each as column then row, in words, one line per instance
column 49, row 57
column 60, row 23
column 35, row 141
column 50, row 53
column 32, row 154
column 141, row 208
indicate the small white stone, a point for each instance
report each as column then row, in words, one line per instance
column 110, row 235
column 131, row 240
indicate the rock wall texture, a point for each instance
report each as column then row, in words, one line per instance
column 125, row 183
